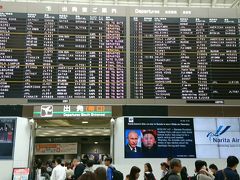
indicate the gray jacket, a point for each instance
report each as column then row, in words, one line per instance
column 174, row 177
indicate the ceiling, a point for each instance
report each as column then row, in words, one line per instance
column 164, row 3
column 73, row 127
column 58, row 132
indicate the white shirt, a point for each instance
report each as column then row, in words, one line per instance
column 58, row 173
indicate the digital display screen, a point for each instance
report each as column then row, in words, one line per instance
column 7, row 131
column 159, row 138
column 185, row 58
column 181, row 137
column 62, row 56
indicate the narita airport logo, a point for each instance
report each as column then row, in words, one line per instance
column 217, row 136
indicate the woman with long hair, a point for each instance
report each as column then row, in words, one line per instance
column 134, row 173
column 148, row 175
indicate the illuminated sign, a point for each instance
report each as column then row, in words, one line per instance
column 47, row 111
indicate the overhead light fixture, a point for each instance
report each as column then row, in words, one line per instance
column 96, row 142
column 84, row 122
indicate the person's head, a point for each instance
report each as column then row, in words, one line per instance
column 232, row 162
column 101, row 173
column 127, row 177
column 199, row 164
column 43, row 169
column 133, row 139
column 148, row 139
column 176, row 165
column 169, row 160
column 164, row 166
column 75, row 162
column 90, row 163
column 38, row 163
column 213, row 168
column 147, row 167
column 108, row 161
column 84, row 160
column 184, row 169
column 85, row 156
column 58, row 160
column 87, row 176
column 134, row 173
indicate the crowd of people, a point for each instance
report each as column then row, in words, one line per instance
column 172, row 169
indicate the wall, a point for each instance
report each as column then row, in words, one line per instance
column 92, row 148
column 20, row 151
column 124, row 165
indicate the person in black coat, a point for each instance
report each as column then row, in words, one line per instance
column 79, row 169
column 230, row 172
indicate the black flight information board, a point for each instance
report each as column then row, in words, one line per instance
column 185, row 58
column 62, row 56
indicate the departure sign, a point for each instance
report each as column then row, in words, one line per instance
column 62, row 56
column 185, row 58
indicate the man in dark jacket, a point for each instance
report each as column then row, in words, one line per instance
column 229, row 173
column 79, row 168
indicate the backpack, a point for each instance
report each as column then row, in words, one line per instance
column 224, row 175
column 117, row 175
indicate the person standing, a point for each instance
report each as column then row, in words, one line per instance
column 230, row 172
column 175, row 169
column 148, row 172
column 69, row 171
column 5, row 134
column 213, row 169
column 164, row 168
column 202, row 172
column 101, row 173
column 108, row 163
column 1, row 133
column 59, row 172
column 134, row 173
column 79, row 167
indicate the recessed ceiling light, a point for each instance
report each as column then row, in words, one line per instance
column 51, row 131
column 89, row 131
column 96, row 142
column 84, row 122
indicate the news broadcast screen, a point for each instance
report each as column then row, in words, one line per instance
column 181, row 137
column 7, row 131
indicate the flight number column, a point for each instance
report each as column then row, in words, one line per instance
column 136, row 63
column 202, row 58
column 81, row 56
column 49, row 76
column 33, row 56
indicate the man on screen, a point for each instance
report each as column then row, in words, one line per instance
column 149, row 143
column 132, row 147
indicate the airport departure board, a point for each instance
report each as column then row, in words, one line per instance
column 62, row 56
column 185, row 58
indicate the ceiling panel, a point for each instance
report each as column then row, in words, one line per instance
column 64, row 132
